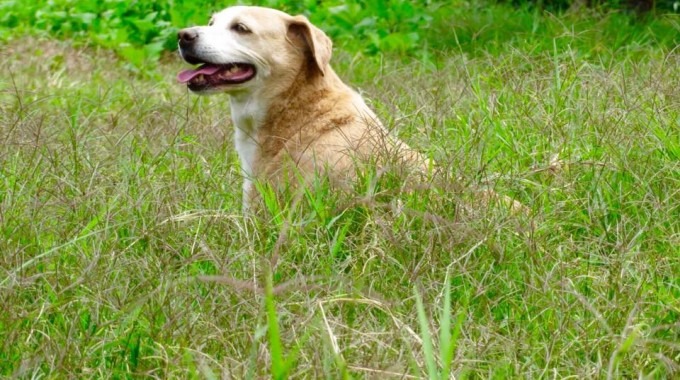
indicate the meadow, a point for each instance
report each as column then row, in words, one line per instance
column 124, row 252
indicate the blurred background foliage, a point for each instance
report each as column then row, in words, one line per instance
column 140, row 31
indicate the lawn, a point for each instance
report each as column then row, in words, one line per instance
column 124, row 252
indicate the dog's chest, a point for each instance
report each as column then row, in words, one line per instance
column 246, row 123
column 247, row 116
column 246, row 147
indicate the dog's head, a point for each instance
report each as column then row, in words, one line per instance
column 243, row 48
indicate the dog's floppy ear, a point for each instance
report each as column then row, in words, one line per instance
column 317, row 42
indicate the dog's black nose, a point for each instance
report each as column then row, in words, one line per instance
column 187, row 35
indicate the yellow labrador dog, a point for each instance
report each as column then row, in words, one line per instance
column 290, row 109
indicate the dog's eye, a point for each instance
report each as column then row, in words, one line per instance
column 211, row 22
column 240, row 28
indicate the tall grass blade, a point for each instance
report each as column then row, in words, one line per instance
column 425, row 335
column 278, row 366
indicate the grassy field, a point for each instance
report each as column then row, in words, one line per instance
column 124, row 252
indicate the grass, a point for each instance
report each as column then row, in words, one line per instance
column 125, row 254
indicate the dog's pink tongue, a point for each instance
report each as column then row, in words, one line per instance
column 206, row 69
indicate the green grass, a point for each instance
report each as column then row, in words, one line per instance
column 125, row 254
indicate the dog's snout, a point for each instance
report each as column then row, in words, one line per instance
column 187, row 36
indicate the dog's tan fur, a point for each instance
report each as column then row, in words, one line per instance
column 296, row 110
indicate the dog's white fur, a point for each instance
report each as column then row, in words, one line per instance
column 296, row 109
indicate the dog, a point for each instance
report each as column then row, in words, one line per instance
column 291, row 111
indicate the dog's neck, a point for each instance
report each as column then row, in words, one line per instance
column 268, row 112
column 298, row 106
column 264, row 120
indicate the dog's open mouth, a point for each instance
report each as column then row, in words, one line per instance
column 211, row 75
